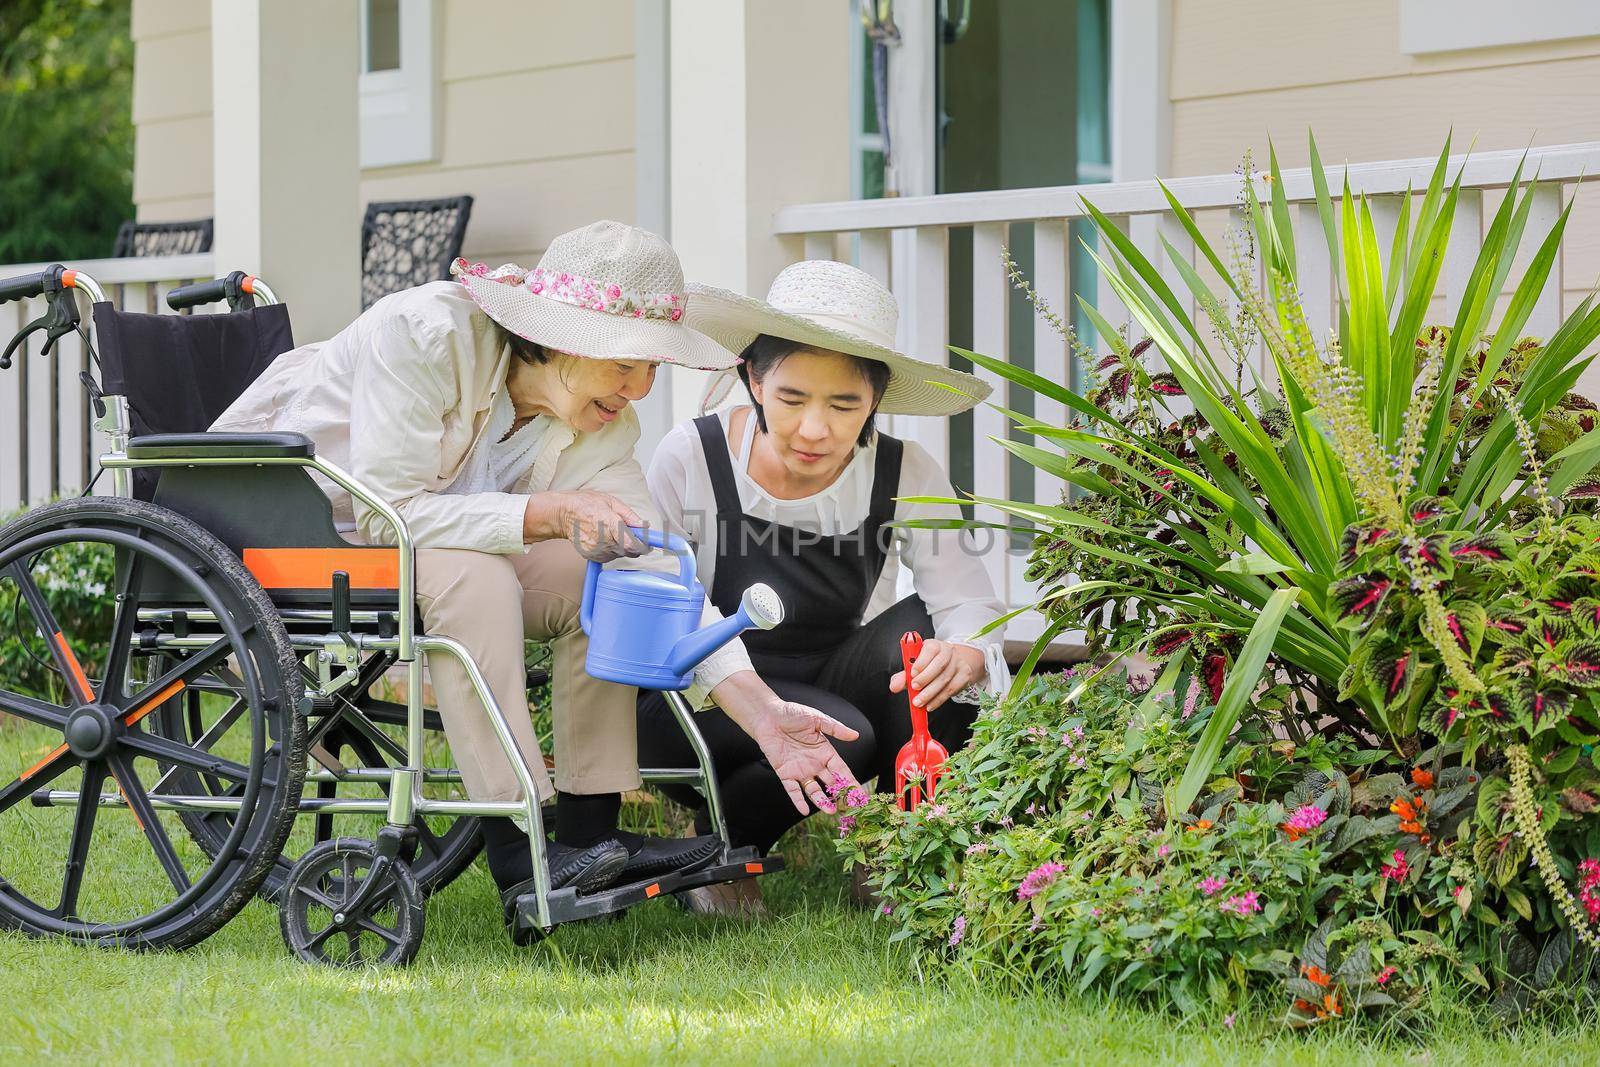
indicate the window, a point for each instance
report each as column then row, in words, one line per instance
column 1450, row 25
column 398, row 83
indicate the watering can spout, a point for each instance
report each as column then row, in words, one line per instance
column 759, row 607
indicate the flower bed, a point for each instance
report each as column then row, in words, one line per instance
column 1363, row 766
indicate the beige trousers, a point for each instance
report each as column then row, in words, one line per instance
column 488, row 603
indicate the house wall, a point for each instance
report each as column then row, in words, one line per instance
column 537, row 105
column 1244, row 70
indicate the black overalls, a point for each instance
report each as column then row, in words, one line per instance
column 820, row 655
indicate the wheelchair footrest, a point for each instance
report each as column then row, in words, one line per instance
column 566, row 905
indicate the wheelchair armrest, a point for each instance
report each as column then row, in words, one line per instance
column 221, row 445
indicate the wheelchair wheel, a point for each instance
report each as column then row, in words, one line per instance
column 319, row 923
column 73, row 578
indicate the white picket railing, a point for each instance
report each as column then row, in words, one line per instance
column 905, row 242
column 48, row 443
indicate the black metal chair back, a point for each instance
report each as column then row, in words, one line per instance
column 409, row 242
column 162, row 238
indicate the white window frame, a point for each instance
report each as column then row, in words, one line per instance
column 1140, row 100
column 399, row 108
column 1428, row 26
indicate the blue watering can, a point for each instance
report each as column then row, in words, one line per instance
column 642, row 626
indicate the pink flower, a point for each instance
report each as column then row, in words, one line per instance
column 677, row 313
column 1163, row 852
column 1385, row 974
column 1190, row 699
column 1227, row 1020
column 1303, row 821
column 1212, row 886
column 887, row 909
column 536, row 286
column 937, row 811
column 1589, row 873
column 840, row 784
column 1038, row 879
column 1242, row 905
column 978, row 849
column 1399, row 868
column 958, row 930
column 856, row 797
column 846, row 824
column 614, row 291
column 1036, row 924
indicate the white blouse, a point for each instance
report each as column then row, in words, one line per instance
column 500, row 462
column 945, row 569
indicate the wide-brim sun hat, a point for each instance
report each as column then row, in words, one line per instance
column 833, row 307
column 605, row 291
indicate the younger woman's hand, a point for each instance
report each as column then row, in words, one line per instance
column 940, row 672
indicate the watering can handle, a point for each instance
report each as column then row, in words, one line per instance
column 655, row 539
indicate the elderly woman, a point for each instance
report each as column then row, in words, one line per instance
column 494, row 414
column 797, row 490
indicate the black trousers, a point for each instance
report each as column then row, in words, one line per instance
column 850, row 682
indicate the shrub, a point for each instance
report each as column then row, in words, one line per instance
column 1369, row 589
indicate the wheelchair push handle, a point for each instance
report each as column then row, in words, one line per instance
column 57, row 283
column 242, row 291
column 48, row 282
column 25, row 286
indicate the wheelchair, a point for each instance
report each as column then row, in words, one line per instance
column 239, row 675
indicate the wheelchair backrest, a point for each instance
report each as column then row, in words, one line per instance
column 180, row 372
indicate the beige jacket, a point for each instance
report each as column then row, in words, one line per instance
column 399, row 399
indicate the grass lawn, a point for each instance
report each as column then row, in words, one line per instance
column 816, row 983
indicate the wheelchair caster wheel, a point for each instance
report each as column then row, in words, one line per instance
column 319, row 926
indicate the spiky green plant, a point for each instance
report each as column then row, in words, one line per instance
column 1241, row 531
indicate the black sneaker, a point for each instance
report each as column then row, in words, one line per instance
column 652, row 857
column 588, row 869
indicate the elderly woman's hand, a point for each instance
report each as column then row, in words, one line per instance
column 596, row 523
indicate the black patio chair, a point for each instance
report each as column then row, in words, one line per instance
column 162, row 238
column 409, row 242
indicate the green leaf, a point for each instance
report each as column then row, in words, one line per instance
column 1235, row 692
column 1254, row 563
column 1553, row 959
column 1093, row 964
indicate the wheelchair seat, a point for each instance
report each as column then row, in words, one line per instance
column 279, row 522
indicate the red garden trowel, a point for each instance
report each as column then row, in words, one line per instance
column 920, row 765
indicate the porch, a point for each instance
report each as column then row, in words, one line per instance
column 48, row 443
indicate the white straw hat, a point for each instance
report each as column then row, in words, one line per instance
column 606, row 291
column 836, row 308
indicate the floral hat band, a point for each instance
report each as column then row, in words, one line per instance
column 603, row 291
column 592, row 294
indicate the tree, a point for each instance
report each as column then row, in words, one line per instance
column 66, row 127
